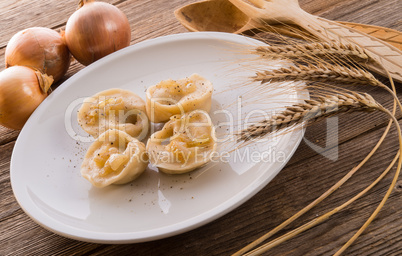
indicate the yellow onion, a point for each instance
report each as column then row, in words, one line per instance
column 40, row 48
column 96, row 30
column 22, row 89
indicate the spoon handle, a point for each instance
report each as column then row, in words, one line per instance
column 383, row 55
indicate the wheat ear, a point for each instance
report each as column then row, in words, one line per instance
column 311, row 110
column 322, row 73
column 316, row 50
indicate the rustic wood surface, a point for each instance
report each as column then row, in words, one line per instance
column 305, row 177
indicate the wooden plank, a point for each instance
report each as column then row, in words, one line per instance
column 310, row 177
column 7, row 135
column 380, row 13
column 19, row 15
column 272, row 205
column 304, row 178
column 302, row 182
column 12, row 21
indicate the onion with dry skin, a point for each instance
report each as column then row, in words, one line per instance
column 40, row 48
column 96, row 30
column 22, row 89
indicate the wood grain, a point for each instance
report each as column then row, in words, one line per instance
column 305, row 177
column 390, row 36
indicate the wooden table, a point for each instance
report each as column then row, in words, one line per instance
column 305, row 177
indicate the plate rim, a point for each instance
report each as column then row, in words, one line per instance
column 150, row 235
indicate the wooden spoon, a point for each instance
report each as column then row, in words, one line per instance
column 223, row 16
column 285, row 16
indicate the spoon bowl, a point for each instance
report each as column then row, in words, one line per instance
column 215, row 15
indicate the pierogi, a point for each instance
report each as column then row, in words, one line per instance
column 170, row 97
column 185, row 143
column 114, row 158
column 114, row 109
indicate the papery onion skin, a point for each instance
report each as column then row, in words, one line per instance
column 40, row 48
column 20, row 94
column 96, row 30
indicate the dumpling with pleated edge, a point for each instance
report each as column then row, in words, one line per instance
column 114, row 109
column 114, row 158
column 170, row 97
column 185, row 143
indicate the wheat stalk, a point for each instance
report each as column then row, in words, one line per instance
column 319, row 72
column 316, row 50
column 349, row 76
column 356, row 102
column 327, row 215
column 324, row 217
column 358, row 76
column 330, row 190
column 311, row 110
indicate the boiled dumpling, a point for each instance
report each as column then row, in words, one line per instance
column 114, row 108
column 170, row 97
column 184, row 143
column 114, row 158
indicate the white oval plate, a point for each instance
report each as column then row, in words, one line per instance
column 45, row 164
